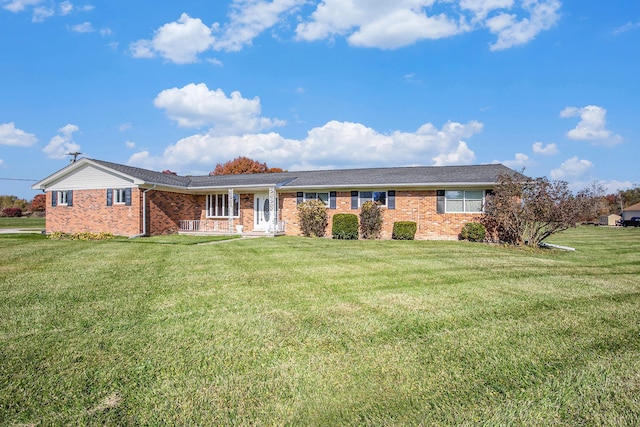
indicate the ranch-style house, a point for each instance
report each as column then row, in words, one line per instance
column 98, row 196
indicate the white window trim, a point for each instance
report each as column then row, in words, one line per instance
column 119, row 196
column 213, row 207
column 327, row 202
column 63, row 198
column 362, row 201
column 464, row 202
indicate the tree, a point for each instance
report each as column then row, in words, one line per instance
column 242, row 165
column 39, row 203
column 13, row 202
column 529, row 211
column 169, row 172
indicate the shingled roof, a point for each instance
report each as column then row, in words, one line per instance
column 397, row 176
column 337, row 178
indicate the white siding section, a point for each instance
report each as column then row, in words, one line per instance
column 89, row 178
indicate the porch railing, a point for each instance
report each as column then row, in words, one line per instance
column 220, row 226
column 211, row 225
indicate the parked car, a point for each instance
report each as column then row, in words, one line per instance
column 633, row 222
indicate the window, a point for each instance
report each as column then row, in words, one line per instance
column 63, row 198
column 119, row 196
column 218, row 205
column 464, row 201
column 373, row 196
column 323, row 197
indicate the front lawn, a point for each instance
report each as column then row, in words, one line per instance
column 22, row 222
column 295, row 331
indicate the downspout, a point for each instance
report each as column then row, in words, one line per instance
column 144, row 213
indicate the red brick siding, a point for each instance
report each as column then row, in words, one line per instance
column 418, row 206
column 91, row 213
column 166, row 209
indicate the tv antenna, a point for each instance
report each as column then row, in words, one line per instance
column 75, row 155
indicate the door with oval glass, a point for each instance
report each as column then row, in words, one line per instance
column 262, row 212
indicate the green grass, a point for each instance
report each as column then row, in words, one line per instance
column 294, row 331
column 22, row 222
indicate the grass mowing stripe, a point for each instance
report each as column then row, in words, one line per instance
column 320, row 332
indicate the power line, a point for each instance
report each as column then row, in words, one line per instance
column 19, row 179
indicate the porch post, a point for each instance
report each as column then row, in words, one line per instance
column 273, row 209
column 230, row 210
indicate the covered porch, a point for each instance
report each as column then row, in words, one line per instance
column 238, row 212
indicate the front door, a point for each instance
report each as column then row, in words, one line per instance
column 261, row 212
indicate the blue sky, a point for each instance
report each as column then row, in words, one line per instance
column 551, row 86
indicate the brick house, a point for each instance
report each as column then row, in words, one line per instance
column 99, row 196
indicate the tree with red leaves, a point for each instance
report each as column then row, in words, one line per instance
column 242, row 165
column 39, row 203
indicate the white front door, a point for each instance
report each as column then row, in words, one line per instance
column 262, row 212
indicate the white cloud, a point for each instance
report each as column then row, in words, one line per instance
column 42, row 12
column 85, row 27
column 125, row 126
column 62, row 144
column 629, row 26
column 520, row 161
column 1, row 163
column 196, row 106
column 592, row 125
column 548, row 150
column 573, row 167
column 180, row 42
column 249, row 18
column 130, row 145
column 335, row 144
column 390, row 25
column 513, row 30
column 65, row 8
column 16, row 6
column 10, row 135
column 482, row 8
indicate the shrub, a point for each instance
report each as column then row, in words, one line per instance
column 370, row 220
column 12, row 212
column 473, row 232
column 59, row 235
column 313, row 218
column 345, row 226
column 404, row 230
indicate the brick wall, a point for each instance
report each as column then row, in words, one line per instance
column 91, row 213
column 418, row 206
column 166, row 209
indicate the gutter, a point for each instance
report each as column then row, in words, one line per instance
column 144, row 213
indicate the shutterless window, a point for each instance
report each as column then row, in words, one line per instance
column 323, row 197
column 373, row 196
column 218, row 205
column 464, row 201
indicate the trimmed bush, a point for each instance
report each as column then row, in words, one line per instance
column 58, row 235
column 12, row 212
column 404, row 230
column 345, row 226
column 370, row 220
column 473, row 232
column 313, row 218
